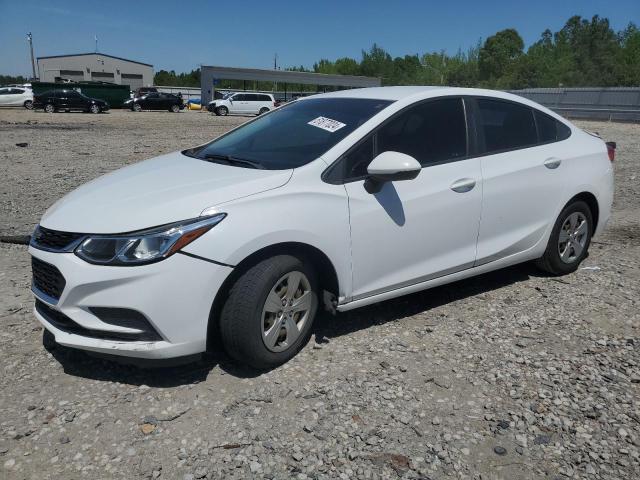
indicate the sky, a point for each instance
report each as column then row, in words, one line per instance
column 182, row 36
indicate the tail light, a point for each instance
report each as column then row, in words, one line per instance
column 276, row 103
column 611, row 150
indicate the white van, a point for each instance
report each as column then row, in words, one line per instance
column 243, row 104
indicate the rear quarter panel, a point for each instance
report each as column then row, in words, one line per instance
column 588, row 169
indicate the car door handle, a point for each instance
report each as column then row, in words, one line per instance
column 552, row 163
column 463, row 185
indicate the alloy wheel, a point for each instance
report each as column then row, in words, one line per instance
column 286, row 311
column 573, row 237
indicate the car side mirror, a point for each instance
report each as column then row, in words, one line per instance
column 390, row 167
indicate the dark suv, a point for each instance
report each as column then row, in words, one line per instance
column 155, row 101
column 67, row 99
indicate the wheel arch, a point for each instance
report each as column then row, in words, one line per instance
column 591, row 200
column 327, row 277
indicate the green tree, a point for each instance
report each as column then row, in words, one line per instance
column 498, row 58
column 629, row 56
column 584, row 52
column 377, row 63
column 10, row 79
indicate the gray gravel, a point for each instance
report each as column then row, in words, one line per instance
column 509, row 375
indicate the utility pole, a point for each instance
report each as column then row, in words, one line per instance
column 33, row 63
column 275, row 67
column 96, row 39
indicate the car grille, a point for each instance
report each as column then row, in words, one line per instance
column 46, row 239
column 47, row 278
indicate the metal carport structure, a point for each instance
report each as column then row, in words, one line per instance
column 210, row 73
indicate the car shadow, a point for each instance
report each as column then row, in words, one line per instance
column 389, row 199
column 162, row 374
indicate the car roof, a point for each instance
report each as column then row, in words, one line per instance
column 417, row 92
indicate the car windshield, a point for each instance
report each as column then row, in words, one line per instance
column 290, row 136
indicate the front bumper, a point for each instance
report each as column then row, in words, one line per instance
column 174, row 295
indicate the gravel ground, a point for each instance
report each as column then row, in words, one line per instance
column 508, row 375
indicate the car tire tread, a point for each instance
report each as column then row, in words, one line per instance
column 240, row 318
column 550, row 261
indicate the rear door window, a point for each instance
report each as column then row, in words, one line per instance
column 505, row 125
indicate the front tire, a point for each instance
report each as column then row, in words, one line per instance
column 94, row 109
column 28, row 105
column 222, row 111
column 268, row 315
column 174, row 108
column 569, row 241
column 136, row 107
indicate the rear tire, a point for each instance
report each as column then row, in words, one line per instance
column 49, row 108
column 136, row 107
column 569, row 240
column 269, row 312
column 94, row 109
column 28, row 105
column 263, row 110
column 174, row 108
column 222, row 111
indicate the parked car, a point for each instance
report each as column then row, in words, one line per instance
column 245, row 238
column 155, row 101
column 243, row 103
column 16, row 97
column 68, row 99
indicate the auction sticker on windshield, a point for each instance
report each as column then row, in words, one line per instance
column 327, row 124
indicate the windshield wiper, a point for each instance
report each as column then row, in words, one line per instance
column 230, row 160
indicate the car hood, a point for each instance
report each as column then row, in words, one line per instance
column 161, row 190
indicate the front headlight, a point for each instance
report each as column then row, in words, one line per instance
column 145, row 246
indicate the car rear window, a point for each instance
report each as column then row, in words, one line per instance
column 293, row 135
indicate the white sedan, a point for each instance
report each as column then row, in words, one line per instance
column 16, row 97
column 337, row 201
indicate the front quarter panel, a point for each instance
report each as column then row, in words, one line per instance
column 305, row 210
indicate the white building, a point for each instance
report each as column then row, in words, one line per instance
column 95, row 67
